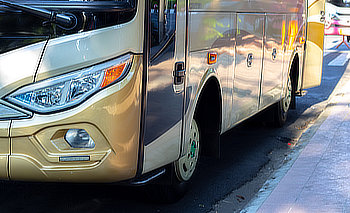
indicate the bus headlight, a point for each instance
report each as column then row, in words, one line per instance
column 65, row 91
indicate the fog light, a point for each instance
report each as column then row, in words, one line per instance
column 79, row 138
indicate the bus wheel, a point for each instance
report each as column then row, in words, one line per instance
column 283, row 105
column 180, row 171
column 185, row 166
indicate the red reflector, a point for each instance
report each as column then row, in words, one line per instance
column 212, row 58
column 112, row 74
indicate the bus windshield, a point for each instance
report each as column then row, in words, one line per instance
column 340, row 3
column 99, row 5
column 24, row 22
column 77, row 1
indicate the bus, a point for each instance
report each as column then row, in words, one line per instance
column 337, row 17
column 133, row 92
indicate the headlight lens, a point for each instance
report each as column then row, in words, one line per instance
column 70, row 89
column 79, row 138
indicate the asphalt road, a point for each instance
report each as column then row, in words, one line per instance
column 249, row 154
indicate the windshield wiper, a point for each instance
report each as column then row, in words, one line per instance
column 67, row 21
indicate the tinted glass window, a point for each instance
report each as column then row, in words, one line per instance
column 163, row 21
column 79, row 5
column 75, row 1
column 20, row 28
column 89, row 14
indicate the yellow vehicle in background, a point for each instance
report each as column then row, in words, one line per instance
column 129, row 91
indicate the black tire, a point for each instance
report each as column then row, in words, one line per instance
column 281, row 108
column 169, row 190
column 178, row 176
column 293, row 103
column 348, row 39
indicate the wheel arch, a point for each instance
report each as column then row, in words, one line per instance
column 294, row 72
column 208, row 114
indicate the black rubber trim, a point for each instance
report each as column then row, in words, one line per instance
column 146, row 49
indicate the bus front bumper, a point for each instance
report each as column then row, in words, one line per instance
column 35, row 149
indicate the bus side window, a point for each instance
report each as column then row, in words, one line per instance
column 163, row 23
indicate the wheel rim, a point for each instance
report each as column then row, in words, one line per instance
column 288, row 97
column 186, row 165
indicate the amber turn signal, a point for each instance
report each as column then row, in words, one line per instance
column 212, row 58
column 112, row 74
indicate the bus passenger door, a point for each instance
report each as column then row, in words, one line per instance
column 249, row 54
column 4, row 143
column 165, row 86
column 313, row 61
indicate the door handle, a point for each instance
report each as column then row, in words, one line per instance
column 323, row 16
column 179, row 73
column 250, row 60
column 274, row 54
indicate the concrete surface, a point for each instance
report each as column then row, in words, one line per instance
column 317, row 180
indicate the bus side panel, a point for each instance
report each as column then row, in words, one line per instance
column 210, row 32
column 312, row 71
column 249, row 56
column 275, row 32
column 293, row 45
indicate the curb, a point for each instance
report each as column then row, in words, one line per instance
column 304, row 139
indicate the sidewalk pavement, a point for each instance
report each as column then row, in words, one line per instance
column 319, row 178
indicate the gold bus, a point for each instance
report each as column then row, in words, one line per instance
column 129, row 90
